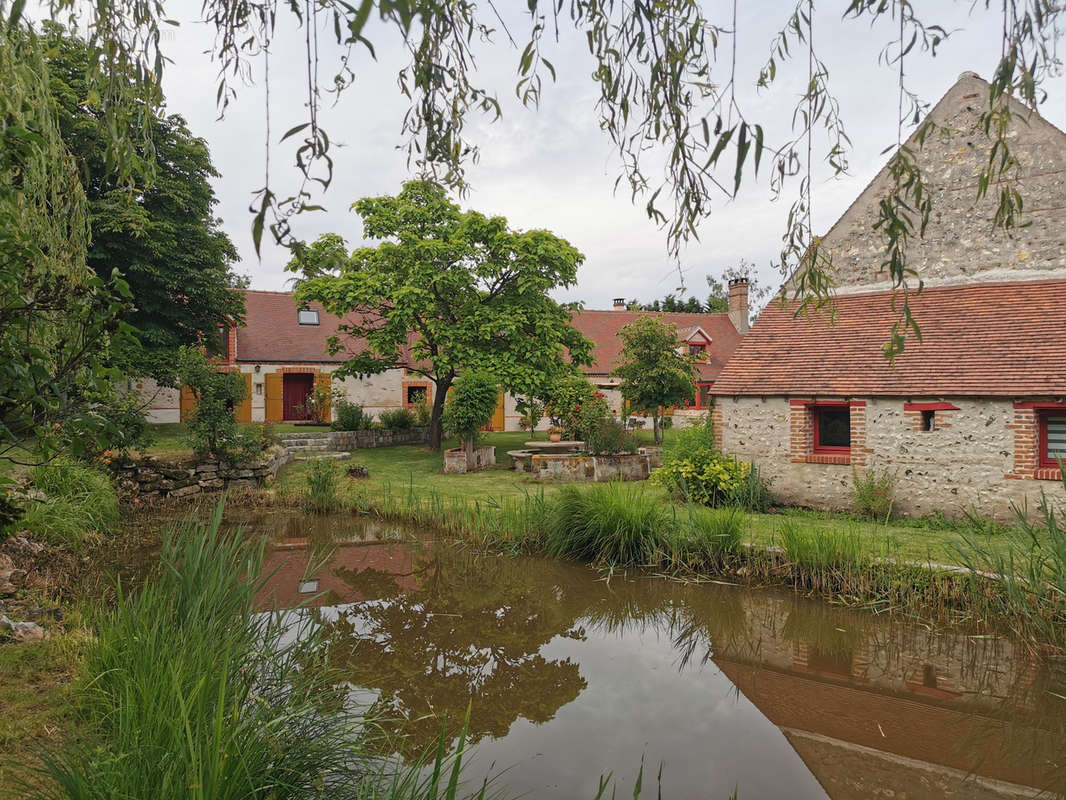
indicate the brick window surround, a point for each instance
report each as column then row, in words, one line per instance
column 1030, row 441
column 914, row 413
column 802, row 422
column 427, row 385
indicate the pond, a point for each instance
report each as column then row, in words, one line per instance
column 571, row 673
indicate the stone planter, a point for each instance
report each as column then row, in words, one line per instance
column 654, row 454
column 455, row 459
column 582, row 468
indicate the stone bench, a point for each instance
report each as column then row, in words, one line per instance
column 520, row 459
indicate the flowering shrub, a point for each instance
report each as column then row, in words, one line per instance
column 576, row 406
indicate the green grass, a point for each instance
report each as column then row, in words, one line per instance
column 414, row 471
column 80, row 504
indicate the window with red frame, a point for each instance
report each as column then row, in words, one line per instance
column 1052, row 438
column 697, row 350
column 832, row 429
column 702, row 398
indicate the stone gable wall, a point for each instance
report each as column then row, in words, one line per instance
column 968, row 460
column 960, row 245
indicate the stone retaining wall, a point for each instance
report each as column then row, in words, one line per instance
column 583, row 468
column 150, row 477
column 358, row 440
column 455, row 459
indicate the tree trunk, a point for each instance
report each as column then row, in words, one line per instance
column 468, row 448
column 436, row 432
column 655, row 426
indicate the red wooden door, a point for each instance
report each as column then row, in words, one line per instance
column 296, row 389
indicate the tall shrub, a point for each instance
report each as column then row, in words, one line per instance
column 212, row 425
column 469, row 408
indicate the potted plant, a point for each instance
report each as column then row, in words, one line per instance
column 555, row 433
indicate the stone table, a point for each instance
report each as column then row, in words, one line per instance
column 555, row 447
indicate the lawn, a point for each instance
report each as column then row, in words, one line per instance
column 414, row 468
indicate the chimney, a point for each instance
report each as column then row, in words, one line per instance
column 619, row 304
column 738, row 304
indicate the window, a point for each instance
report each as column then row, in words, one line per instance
column 928, row 420
column 832, row 429
column 1052, row 438
column 307, row 316
column 697, row 350
column 416, row 395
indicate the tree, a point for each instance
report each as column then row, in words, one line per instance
column 161, row 235
column 655, row 374
column 470, row 406
column 57, row 318
column 212, row 425
column 447, row 291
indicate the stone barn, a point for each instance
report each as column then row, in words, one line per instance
column 972, row 415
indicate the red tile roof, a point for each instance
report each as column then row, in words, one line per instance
column 984, row 340
column 272, row 334
column 602, row 327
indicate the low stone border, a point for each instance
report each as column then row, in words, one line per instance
column 584, row 468
column 150, row 477
column 455, row 459
column 358, row 440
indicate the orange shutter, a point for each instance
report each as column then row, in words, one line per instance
column 187, row 403
column 244, row 410
column 497, row 423
column 273, row 388
column 324, row 383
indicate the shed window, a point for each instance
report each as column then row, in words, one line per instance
column 928, row 420
column 697, row 350
column 1053, row 438
column 307, row 316
column 832, row 428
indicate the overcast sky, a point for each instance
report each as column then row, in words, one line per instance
column 553, row 168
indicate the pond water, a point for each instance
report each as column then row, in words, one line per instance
column 570, row 675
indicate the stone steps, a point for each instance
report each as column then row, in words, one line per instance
column 311, row 435
column 297, row 448
column 334, row 455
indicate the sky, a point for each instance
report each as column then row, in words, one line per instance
column 553, row 167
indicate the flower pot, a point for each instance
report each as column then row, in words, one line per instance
column 554, row 437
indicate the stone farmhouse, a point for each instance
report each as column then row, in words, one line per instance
column 282, row 353
column 973, row 414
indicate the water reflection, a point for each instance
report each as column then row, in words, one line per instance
column 569, row 675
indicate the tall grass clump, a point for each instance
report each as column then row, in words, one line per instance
column 873, row 493
column 613, row 523
column 189, row 692
column 1030, row 572
column 619, row 524
column 79, row 504
column 322, row 490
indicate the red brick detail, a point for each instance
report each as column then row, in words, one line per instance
column 859, row 451
column 827, row 458
column 1026, row 430
column 716, row 424
column 801, row 431
column 930, row 407
column 427, row 385
column 297, row 370
column 1047, row 474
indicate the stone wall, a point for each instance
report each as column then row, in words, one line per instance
column 150, row 477
column 360, row 440
column 959, row 244
column 967, row 460
column 455, row 459
column 584, row 468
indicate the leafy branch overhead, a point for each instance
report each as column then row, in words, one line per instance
column 665, row 75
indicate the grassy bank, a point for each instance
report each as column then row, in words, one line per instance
column 410, row 476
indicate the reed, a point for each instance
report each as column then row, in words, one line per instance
column 322, row 494
column 189, row 692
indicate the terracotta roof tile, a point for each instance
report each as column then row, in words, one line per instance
column 985, row 340
column 272, row 334
column 602, row 327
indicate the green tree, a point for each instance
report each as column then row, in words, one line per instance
column 718, row 299
column 654, row 373
column 161, row 235
column 446, row 291
column 212, row 425
column 469, row 407
column 57, row 318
